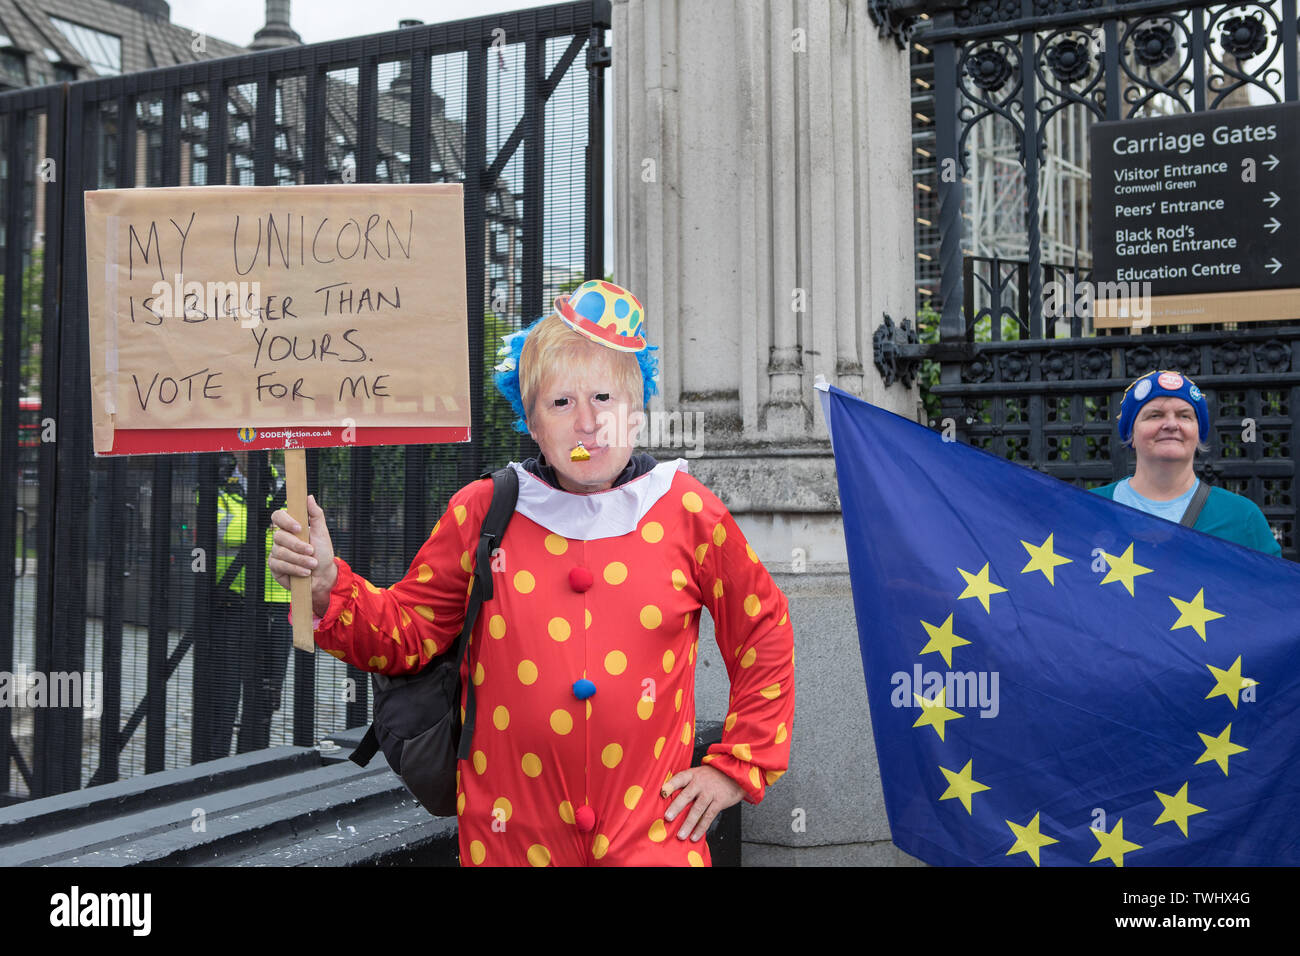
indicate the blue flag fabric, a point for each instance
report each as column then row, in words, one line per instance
column 1059, row 680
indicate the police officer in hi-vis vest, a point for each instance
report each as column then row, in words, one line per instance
column 248, row 650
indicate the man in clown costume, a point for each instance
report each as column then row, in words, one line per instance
column 583, row 662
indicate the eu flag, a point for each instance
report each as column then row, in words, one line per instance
column 1059, row 680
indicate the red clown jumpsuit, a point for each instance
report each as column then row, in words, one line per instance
column 654, row 550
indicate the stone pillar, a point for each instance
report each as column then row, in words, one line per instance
column 763, row 213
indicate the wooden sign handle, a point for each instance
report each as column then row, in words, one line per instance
column 295, row 480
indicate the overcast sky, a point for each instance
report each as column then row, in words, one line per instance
column 316, row 20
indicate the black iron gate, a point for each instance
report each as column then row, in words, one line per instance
column 106, row 583
column 1016, row 84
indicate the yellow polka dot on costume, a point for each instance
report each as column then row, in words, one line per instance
column 497, row 626
column 588, row 618
column 478, row 674
column 538, row 855
column 566, row 811
column 616, row 662
column 346, row 617
column 719, row 534
column 658, row 832
column 524, row 582
column 339, row 654
column 694, row 644
column 692, row 503
column 430, row 647
column 424, row 611
column 753, row 776
column 686, row 733
column 669, row 660
column 752, row 605
column 589, row 708
column 527, row 672
column 371, row 588
column 599, row 846
column 742, row 751
column 659, row 746
column 423, row 573
column 436, row 525
column 772, row 776
column 750, row 551
column 679, row 579
column 611, row 756
column 677, row 700
column 480, row 762
column 501, row 717
column 708, row 758
column 556, row 544
column 686, row 621
column 784, row 618
column 355, row 591
column 717, row 588
column 771, row 691
column 559, row 629
column 465, row 563
column 379, row 662
column 700, row 552
column 561, row 722
column 532, row 765
column 729, row 722
column 460, row 803
column 503, row 805
column 645, row 707
column 477, row 852
column 460, row 513
column 632, row 797
column 395, row 636
column 781, row 733
column 615, row 572
column 653, row 532
column 694, row 859
column 651, row 617
column 751, row 655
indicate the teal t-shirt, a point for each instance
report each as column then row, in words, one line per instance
column 1225, row 515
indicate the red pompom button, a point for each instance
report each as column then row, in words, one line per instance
column 580, row 579
column 585, row 819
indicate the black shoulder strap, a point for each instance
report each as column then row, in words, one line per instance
column 505, row 493
column 1195, row 505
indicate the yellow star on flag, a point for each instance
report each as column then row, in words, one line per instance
column 1028, row 839
column 942, row 639
column 979, row 586
column 1043, row 558
column 1113, row 845
column 960, row 785
column 934, row 713
column 1219, row 748
column 1123, row 569
column 1177, row 808
column 1229, row 683
column 1194, row 613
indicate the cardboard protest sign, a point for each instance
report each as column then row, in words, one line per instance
column 244, row 317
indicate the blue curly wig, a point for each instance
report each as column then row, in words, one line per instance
column 506, row 376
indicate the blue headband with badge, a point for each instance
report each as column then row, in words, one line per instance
column 1162, row 384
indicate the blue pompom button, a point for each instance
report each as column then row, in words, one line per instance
column 582, row 689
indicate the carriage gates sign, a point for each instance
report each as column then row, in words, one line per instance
column 1205, row 208
column 230, row 317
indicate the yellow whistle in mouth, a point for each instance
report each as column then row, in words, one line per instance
column 579, row 454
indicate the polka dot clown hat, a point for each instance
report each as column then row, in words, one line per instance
column 606, row 314
column 1162, row 384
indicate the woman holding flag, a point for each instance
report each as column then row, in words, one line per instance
column 1164, row 418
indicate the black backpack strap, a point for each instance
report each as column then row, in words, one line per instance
column 1195, row 505
column 505, row 493
column 368, row 747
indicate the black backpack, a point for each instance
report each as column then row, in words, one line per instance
column 417, row 716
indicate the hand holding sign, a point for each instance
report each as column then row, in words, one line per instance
column 292, row 557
